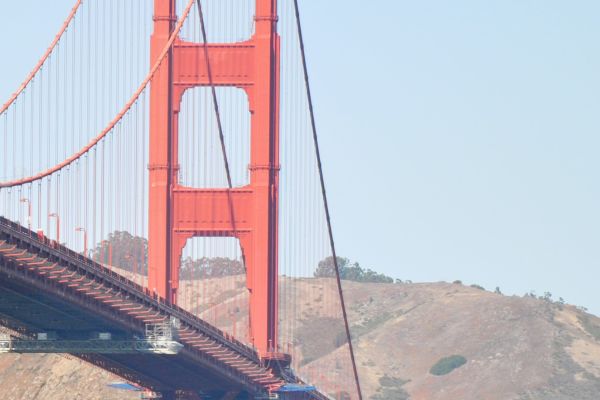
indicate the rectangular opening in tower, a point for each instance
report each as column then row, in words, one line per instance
column 226, row 21
column 212, row 284
column 201, row 160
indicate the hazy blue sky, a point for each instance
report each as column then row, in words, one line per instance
column 461, row 139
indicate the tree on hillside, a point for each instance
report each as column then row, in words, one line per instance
column 349, row 271
column 130, row 253
column 206, row 267
column 123, row 250
column 326, row 267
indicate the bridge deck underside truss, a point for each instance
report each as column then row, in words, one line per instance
column 47, row 287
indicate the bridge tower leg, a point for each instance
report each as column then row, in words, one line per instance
column 162, row 166
column 248, row 213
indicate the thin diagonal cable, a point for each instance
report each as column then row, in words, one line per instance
column 214, row 94
column 43, row 59
column 116, row 119
column 219, row 124
column 325, row 203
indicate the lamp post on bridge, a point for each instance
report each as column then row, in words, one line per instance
column 55, row 215
column 212, row 305
column 132, row 262
column 85, row 248
column 233, row 324
column 26, row 200
column 106, row 243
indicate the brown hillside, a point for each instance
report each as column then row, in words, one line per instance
column 515, row 348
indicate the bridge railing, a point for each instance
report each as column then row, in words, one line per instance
column 132, row 288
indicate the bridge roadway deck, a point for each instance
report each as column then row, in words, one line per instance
column 48, row 287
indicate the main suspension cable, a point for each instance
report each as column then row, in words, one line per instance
column 324, row 195
column 214, row 94
column 115, row 120
column 218, row 117
column 43, row 59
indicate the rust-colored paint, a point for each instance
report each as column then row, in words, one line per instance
column 249, row 213
column 42, row 59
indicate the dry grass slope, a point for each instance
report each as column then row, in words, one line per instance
column 515, row 348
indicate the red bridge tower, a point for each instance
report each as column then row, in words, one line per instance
column 249, row 213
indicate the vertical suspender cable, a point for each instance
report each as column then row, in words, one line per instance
column 324, row 194
column 214, row 94
column 217, row 114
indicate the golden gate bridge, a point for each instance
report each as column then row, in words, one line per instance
column 163, row 207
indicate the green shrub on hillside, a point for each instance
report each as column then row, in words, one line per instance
column 391, row 388
column 590, row 326
column 129, row 252
column 447, row 365
column 349, row 271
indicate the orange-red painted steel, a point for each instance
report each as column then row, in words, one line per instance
column 158, row 62
column 248, row 213
column 43, row 59
column 92, row 288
